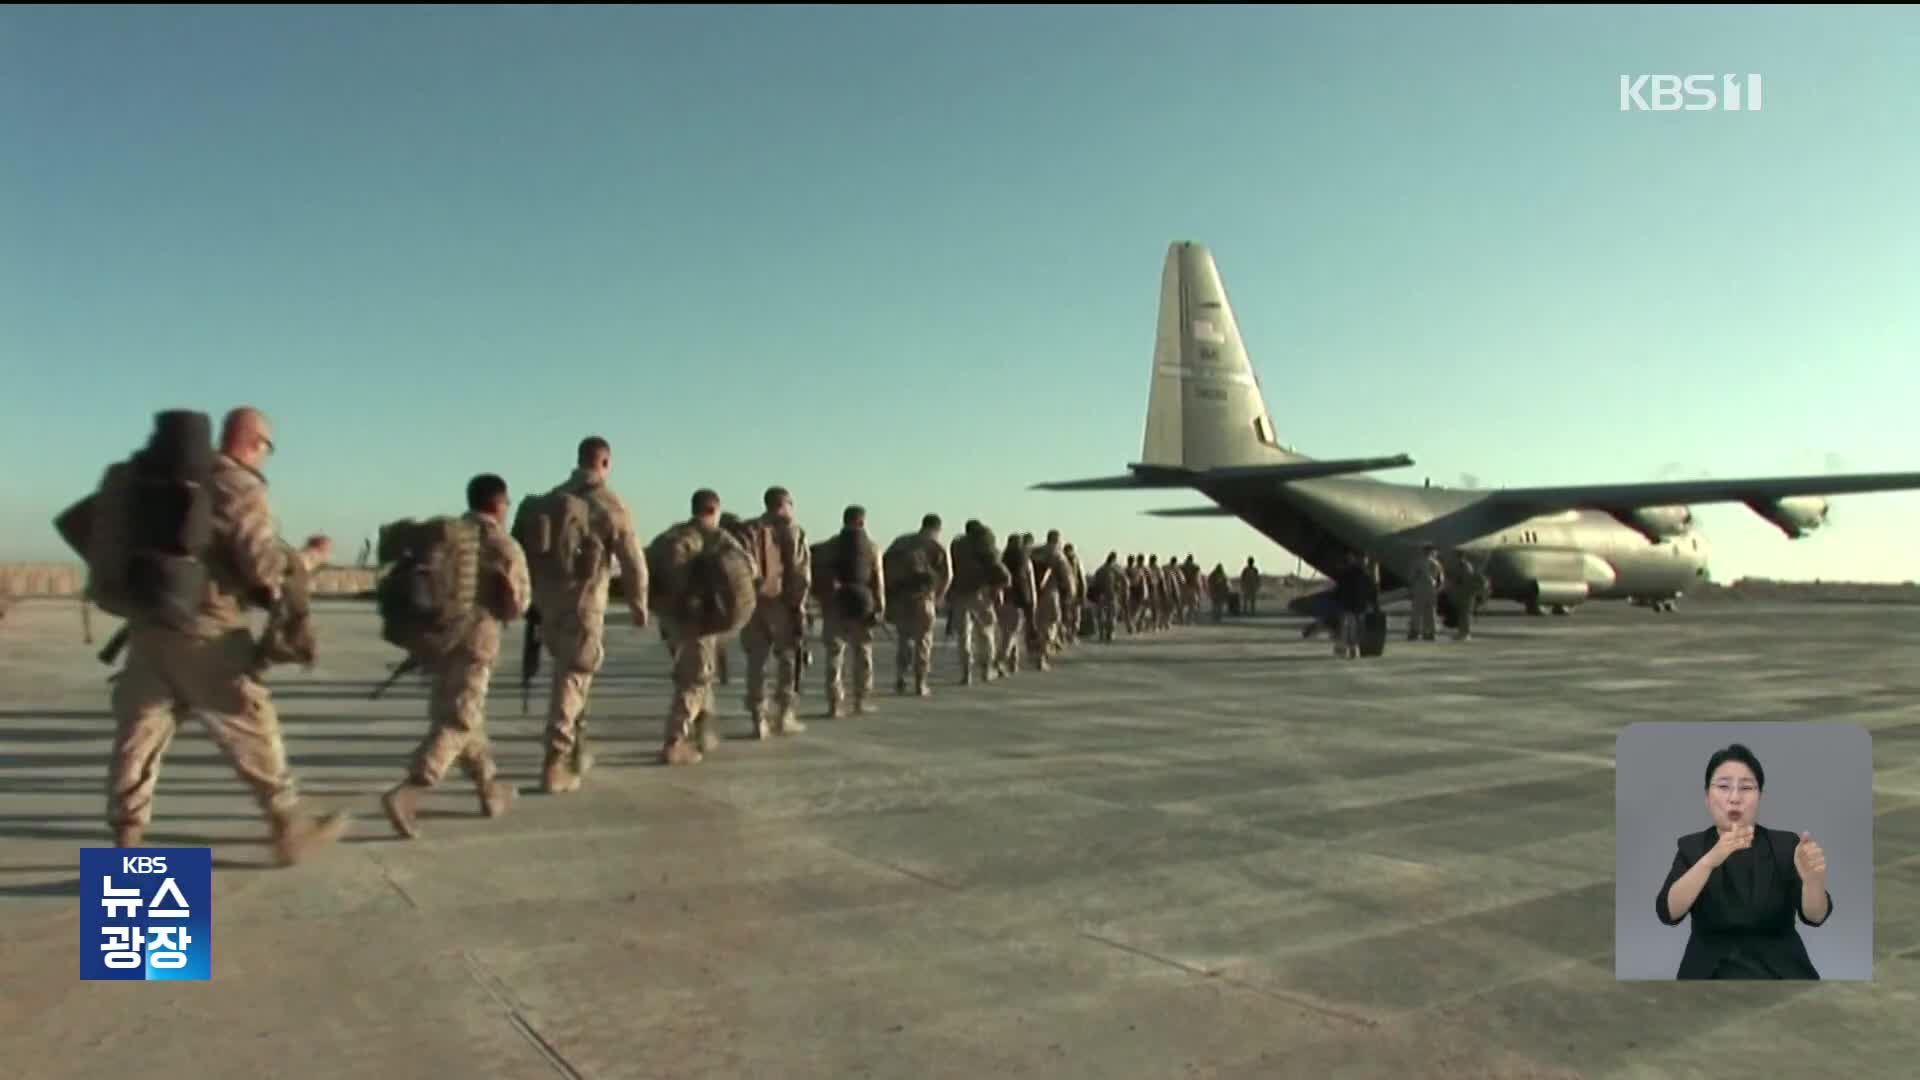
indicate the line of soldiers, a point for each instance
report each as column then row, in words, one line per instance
column 1026, row 601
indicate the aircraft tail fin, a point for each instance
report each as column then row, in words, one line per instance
column 1204, row 409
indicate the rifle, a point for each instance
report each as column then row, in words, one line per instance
column 115, row 644
column 403, row 667
column 529, row 660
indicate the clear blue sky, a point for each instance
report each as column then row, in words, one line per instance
column 910, row 257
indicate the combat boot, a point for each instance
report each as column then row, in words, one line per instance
column 900, row 685
column 496, row 797
column 559, row 777
column 128, row 835
column 680, row 752
column 864, row 707
column 402, row 804
column 762, row 730
column 835, row 710
column 582, row 762
column 966, row 676
column 296, row 835
column 790, row 724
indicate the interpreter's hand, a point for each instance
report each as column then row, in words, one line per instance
column 1738, row 838
column 1809, row 859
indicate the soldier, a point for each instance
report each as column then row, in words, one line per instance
column 688, row 736
column 853, row 588
column 1192, row 575
column 1053, row 577
column 1077, row 621
column 1220, row 591
column 919, row 573
column 1176, row 592
column 779, row 547
column 1156, row 594
column 975, row 601
column 209, row 667
column 571, row 589
column 1108, row 587
column 1016, row 605
column 1424, row 582
column 1250, row 588
column 457, row 705
column 1135, row 594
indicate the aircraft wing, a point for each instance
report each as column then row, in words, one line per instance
column 1172, row 476
column 1190, row 512
column 1675, row 492
column 1507, row 507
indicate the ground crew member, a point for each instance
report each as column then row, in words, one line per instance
column 209, row 667
column 457, row 704
column 1424, row 583
column 1468, row 589
column 1250, row 588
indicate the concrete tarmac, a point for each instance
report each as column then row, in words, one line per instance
column 1216, row 852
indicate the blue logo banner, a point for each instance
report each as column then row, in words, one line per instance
column 146, row 913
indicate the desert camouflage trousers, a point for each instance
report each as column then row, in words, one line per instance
column 979, row 631
column 772, row 634
column 693, row 665
column 168, row 675
column 913, row 631
column 457, row 718
column 576, row 643
column 841, row 636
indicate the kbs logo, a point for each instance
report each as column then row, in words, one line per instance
column 146, row 915
column 1690, row 93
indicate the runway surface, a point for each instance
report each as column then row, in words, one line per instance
column 1215, row 852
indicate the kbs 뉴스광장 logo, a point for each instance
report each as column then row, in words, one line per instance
column 146, row 913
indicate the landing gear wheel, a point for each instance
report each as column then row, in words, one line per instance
column 1560, row 609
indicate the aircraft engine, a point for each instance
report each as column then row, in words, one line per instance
column 1658, row 523
column 1796, row 516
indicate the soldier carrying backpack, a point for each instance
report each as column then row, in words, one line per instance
column 180, row 542
column 851, row 586
column 703, row 590
column 573, row 536
column 918, row 574
column 777, row 630
column 452, row 584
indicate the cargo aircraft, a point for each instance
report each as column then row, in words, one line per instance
column 1208, row 430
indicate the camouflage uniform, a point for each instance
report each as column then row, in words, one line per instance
column 1077, row 602
column 211, row 668
column 840, row 634
column 976, row 604
column 457, row 704
column 1109, row 586
column 1054, row 577
column 688, row 734
column 1219, row 588
column 573, row 625
column 1012, row 611
column 776, row 629
column 913, row 613
column 1138, row 595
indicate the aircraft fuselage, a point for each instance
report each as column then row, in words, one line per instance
column 1558, row 560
